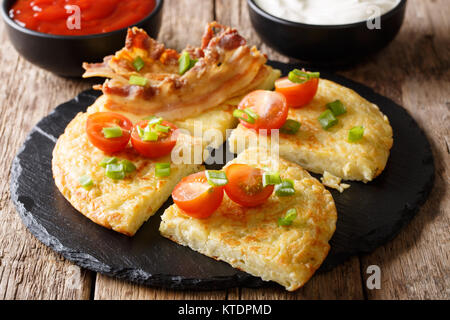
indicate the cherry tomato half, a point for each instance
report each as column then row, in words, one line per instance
column 297, row 94
column 99, row 120
column 196, row 197
column 154, row 149
column 270, row 106
column 245, row 185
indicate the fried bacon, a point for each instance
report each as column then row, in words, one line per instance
column 226, row 68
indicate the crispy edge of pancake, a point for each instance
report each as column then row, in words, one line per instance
column 119, row 205
column 249, row 238
column 362, row 161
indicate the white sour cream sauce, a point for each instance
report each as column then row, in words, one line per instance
column 327, row 12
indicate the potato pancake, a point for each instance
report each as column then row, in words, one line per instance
column 121, row 205
column 250, row 239
column 319, row 150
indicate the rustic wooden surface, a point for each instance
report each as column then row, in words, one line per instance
column 413, row 71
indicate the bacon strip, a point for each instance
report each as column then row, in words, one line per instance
column 226, row 68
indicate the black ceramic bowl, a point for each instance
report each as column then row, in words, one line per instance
column 326, row 44
column 64, row 55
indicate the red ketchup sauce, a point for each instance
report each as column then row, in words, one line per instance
column 96, row 16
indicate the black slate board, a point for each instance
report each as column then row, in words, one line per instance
column 369, row 214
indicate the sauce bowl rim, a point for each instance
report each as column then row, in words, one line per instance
column 5, row 15
column 289, row 23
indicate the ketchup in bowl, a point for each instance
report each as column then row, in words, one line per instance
column 59, row 17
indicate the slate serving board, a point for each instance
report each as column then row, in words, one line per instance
column 369, row 214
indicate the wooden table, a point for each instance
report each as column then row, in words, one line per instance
column 413, row 71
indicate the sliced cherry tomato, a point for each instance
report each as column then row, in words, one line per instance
column 196, row 197
column 154, row 149
column 245, row 185
column 99, row 120
column 297, row 94
column 271, row 109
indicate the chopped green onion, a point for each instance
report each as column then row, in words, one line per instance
column 162, row 169
column 314, row 75
column 113, row 132
column 161, row 128
column 216, row 178
column 140, row 131
column 186, row 63
column 298, row 76
column 290, row 127
column 285, row 188
column 337, row 107
column 287, row 183
column 327, row 119
column 192, row 64
column 285, row 192
column 271, row 178
column 251, row 113
column 355, row 134
column 247, row 115
column 301, row 73
column 128, row 166
column 239, row 114
column 86, row 182
column 150, row 135
column 107, row 160
column 154, row 120
column 138, row 63
column 115, row 171
column 138, row 81
column 287, row 220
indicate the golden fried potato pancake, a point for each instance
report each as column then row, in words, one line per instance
column 122, row 205
column 250, row 239
column 320, row 150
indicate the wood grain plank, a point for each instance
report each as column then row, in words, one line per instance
column 342, row 282
column 184, row 22
column 234, row 13
column 112, row 289
column 28, row 269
